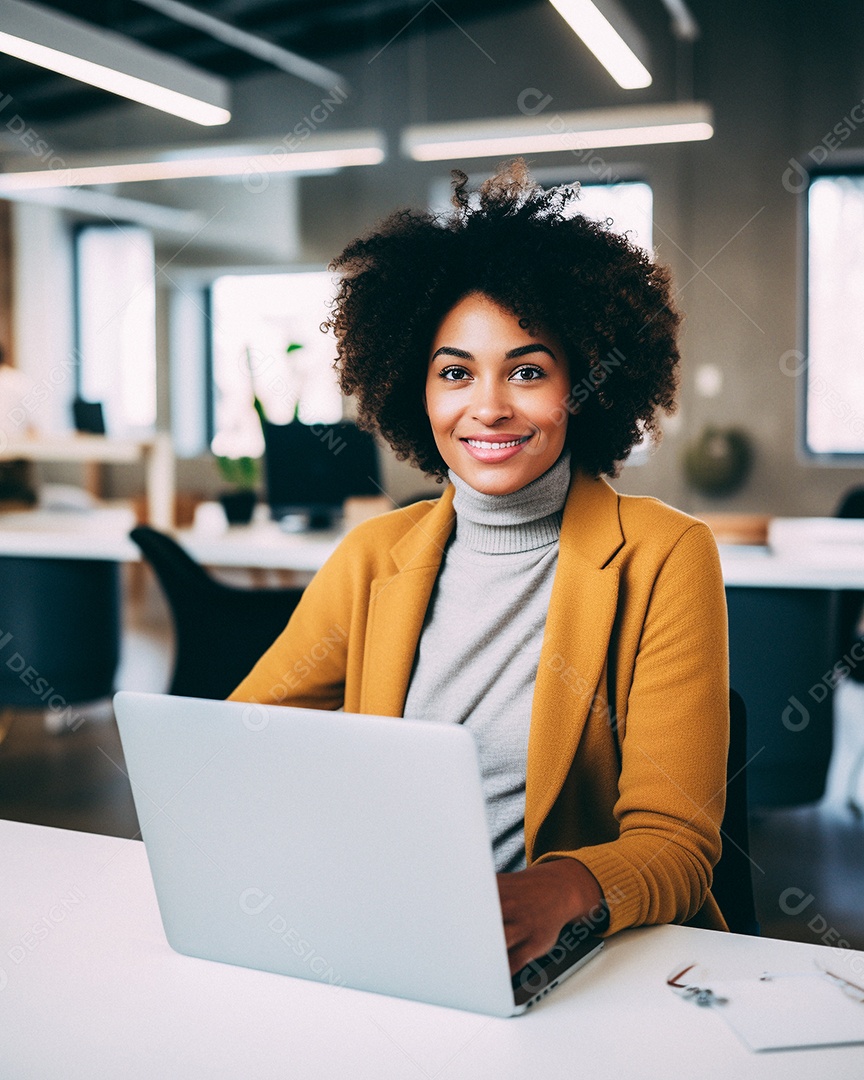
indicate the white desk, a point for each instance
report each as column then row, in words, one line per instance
column 263, row 545
column 101, row 533
column 760, row 567
column 89, row 989
column 157, row 454
column 104, row 534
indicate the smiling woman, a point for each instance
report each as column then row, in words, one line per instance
column 521, row 351
column 496, row 414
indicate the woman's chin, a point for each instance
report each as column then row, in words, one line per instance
column 494, row 479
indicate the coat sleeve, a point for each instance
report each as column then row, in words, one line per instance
column 306, row 665
column 671, row 791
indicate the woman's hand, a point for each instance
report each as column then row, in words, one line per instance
column 536, row 903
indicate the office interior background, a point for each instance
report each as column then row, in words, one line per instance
column 772, row 359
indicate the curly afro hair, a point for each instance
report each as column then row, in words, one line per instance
column 598, row 294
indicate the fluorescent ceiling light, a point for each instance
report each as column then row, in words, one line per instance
column 597, row 31
column 111, row 62
column 100, row 204
column 332, row 151
column 639, row 125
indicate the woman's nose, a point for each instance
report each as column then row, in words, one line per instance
column 491, row 402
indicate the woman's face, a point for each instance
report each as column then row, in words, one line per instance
column 496, row 397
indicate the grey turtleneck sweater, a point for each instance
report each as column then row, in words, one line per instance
column 477, row 659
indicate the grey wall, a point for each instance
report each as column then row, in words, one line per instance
column 780, row 76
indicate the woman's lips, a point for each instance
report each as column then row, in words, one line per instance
column 496, row 448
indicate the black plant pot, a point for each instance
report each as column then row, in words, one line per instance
column 238, row 506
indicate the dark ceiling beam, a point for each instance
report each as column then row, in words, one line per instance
column 261, row 48
column 317, row 28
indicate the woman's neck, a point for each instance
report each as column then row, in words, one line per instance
column 519, row 521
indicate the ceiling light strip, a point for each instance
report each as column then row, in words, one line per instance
column 188, row 168
column 642, row 125
column 597, row 32
column 544, row 144
column 111, row 62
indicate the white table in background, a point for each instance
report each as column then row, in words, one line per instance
column 89, row 989
column 262, row 546
column 103, row 534
column 93, row 451
column 98, row 533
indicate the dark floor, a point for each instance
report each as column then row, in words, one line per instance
column 808, row 862
column 73, row 780
column 808, row 870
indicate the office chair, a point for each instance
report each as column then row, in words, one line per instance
column 220, row 631
column 59, row 634
column 733, row 883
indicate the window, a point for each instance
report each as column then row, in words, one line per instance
column 834, row 386
column 256, row 318
column 628, row 206
column 116, row 298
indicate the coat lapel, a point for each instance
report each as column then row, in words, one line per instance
column 575, row 643
column 397, row 609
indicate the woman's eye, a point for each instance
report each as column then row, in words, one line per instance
column 529, row 373
column 454, row 374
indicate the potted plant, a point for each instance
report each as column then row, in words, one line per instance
column 242, row 475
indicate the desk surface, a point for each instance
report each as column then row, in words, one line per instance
column 99, row 533
column 818, row 568
column 75, row 446
column 264, row 545
column 90, row 988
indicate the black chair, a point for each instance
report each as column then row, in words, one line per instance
column 59, row 634
column 733, row 881
column 220, row 631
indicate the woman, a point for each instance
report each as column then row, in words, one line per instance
column 580, row 635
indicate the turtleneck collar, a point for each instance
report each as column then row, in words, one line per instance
column 523, row 520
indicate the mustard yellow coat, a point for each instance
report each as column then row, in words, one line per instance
column 630, row 719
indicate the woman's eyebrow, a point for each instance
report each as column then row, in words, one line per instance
column 513, row 354
column 523, row 350
column 448, row 350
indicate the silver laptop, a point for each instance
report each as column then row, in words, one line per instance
column 352, row 850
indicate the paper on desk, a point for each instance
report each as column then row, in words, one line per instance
column 789, row 1012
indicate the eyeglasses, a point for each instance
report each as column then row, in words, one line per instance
column 699, row 995
column 850, row 989
column 706, row 997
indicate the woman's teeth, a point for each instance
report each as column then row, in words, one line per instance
column 481, row 444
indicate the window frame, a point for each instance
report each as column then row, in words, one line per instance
column 852, row 166
column 197, row 282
